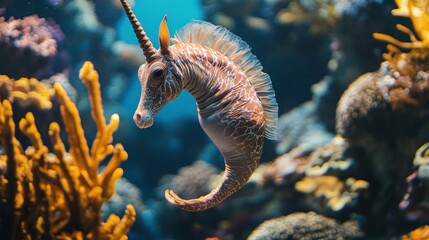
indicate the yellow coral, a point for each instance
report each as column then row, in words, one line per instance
column 27, row 91
column 419, row 233
column 56, row 195
column 335, row 192
column 417, row 11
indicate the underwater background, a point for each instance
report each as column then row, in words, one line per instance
column 351, row 161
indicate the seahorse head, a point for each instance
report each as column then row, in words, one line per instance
column 159, row 76
column 159, row 84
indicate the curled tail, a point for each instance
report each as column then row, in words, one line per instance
column 233, row 179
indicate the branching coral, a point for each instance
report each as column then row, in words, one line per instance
column 305, row 226
column 412, row 80
column 417, row 11
column 26, row 91
column 59, row 195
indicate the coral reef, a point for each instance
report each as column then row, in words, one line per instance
column 305, row 226
column 381, row 119
column 385, row 113
column 27, row 45
column 285, row 169
column 395, row 95
column 345, row 154
column 59, row 195
column 322, row 175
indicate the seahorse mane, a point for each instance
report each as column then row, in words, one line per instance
column 238, row 51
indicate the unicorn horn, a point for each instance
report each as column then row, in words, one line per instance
column 145, row 44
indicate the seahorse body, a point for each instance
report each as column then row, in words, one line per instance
column 235, row 99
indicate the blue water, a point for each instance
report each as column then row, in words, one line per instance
column 150, row 14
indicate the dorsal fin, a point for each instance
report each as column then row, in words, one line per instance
column 238, row 51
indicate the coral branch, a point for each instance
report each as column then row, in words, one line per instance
column 417, row 12
column 78, row 144
column 59, row 195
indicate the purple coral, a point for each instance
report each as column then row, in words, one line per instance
column 27, row 45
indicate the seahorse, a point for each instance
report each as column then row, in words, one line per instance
column 236, row 102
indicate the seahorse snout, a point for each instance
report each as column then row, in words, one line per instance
column 143, row 119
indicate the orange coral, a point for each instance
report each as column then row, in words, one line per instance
column 59, row 195
column 409, row 70
column 417, row 11
column 418, row 234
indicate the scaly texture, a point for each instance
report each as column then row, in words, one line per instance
column 59, row 195
column 236, row 50
column 229, row 112
column 235, row 99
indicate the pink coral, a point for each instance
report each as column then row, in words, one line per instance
column 27, row 45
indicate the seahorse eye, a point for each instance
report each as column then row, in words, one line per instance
column 158, row 73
